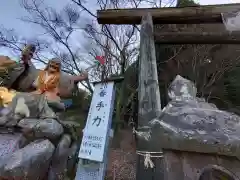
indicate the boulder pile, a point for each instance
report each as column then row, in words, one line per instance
column 37, row 144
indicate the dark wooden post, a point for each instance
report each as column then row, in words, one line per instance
column 148, row 94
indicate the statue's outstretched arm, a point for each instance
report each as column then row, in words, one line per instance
column 80, row 77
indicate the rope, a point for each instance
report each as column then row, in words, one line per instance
column 147, row 157
column 145, row 135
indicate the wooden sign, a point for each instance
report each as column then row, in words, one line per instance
column 93, row 146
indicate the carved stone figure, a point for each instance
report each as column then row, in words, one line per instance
column 6, row 96
column 18, row 75
column 48, row 80
column 28, row 121
column 54, row 84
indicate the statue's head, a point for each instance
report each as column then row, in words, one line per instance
column 54, row 65
column 27, row 53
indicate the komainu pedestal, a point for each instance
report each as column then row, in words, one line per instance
column 199, row 141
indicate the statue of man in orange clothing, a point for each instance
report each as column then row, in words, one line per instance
column 49, row 80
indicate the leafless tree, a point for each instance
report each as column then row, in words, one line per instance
column 10, row 40
column 205, row 65
column 60, row 28
column 119, row 44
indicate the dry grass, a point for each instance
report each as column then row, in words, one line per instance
column 122, row 160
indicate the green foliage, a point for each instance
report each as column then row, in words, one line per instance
column 232, row 86
column 79, row 110
column 124, row 97
column 81, row 99
column 186, row 3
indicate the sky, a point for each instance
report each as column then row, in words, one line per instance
column 11, row 12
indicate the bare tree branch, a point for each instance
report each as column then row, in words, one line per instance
column 60, row 27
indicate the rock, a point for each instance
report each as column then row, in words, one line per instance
column 36, row 106
column 182, row 88
column 36, row 122
column 72, row 128
column 4, row 111
column 30, row 162
column 66, row 85
column 58, row 167
column 10, row 143
column 8, row 119
column 13, row 120
column 48, row 128
column 3, row 120
column 62, row 148
column 56, row 106
column 70, row 124
column 72, row 157
column 188, row 123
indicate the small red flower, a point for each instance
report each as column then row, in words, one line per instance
column 100, row 59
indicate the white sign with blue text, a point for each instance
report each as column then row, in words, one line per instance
column 98, row 123
column 91, row 170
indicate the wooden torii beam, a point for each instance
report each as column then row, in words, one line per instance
column 197, row 38
column 185, row 15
